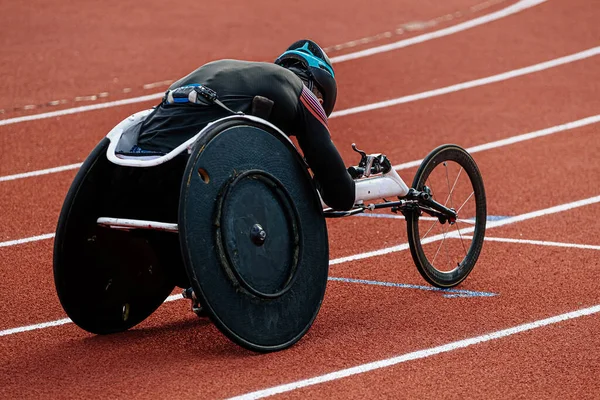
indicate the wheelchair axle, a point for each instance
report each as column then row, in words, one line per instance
column 128, row 224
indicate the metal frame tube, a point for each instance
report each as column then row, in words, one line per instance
column 387, row 185
column 126, row 224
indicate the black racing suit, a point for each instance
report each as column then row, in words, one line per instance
column 296, row 112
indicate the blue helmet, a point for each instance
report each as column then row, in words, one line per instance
column 308, row 60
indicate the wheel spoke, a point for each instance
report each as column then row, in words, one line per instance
column 429, row 230
column 465, row 202
column 440, row 246
column 451, row 190
column 461, row 239
column 428, row 184
column 445, row 163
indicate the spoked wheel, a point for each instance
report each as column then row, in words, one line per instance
column 444, row 252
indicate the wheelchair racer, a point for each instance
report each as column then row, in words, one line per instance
column 302, row 88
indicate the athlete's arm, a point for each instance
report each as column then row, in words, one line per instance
column 336, row 185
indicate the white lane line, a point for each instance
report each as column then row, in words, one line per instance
column 447, row 293
column 35, row 327
column 496, row 239
column 412, row 26
column 395, row 216
column 406, row 27
column 513, row 9
column 521, row 5
column 415, row 355
column 58, row 322
column 474, row 83
column 543, row 212
column 475, row 149
column 507, row 221
column 40, row 172
column 404, row 246
column 27, row 240
column 406, row 99
column 514, row 139
column 489, row 225
column 76, row 110
column 540, row 243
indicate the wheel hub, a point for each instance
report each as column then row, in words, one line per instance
column 258, row 235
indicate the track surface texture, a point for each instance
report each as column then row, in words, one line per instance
column 524, row 324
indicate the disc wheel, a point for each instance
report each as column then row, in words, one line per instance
column 445, row 253
column 107, row 280
column 252, row 234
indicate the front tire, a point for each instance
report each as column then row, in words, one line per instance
column 446, row 253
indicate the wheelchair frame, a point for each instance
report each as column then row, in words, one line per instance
column 388, row 184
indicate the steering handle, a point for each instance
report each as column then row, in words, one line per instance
column 359, row 172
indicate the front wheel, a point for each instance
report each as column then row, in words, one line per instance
column 445, row 253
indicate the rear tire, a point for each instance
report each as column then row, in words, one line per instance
column 108, row 280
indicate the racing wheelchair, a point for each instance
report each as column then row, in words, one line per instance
column 234, row 213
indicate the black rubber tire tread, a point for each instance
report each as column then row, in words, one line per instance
column 447, row 279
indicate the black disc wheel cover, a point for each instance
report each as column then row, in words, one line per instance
column 255, row 208
column 107, row 280
column 253, row 236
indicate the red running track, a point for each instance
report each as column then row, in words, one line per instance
column 174, row 354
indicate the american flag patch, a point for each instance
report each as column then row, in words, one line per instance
column 311, row 102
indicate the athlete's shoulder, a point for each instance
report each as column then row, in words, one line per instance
column 272, row 79
column 312, row 104
column 244, row 64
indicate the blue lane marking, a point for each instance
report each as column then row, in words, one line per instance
column 448, row 293
column 392, row 216
column 496, row 217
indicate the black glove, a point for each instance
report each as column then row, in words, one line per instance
column 355, row 172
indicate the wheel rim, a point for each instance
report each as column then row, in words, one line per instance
column 450, row 183
column 446, row 253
